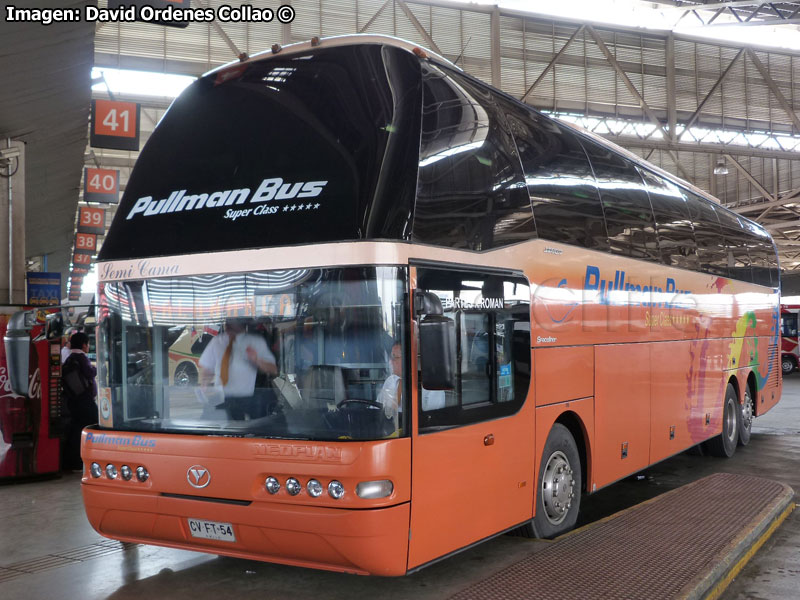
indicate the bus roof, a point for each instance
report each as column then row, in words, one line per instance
column 424, row 53
column 335, row 41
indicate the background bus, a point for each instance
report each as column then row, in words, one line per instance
column 476, row 314
column 790, row 345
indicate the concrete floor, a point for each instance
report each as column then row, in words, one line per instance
column 45, row 533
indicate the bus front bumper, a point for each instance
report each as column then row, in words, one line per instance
column 368, row 541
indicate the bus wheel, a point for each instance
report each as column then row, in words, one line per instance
column 724, row 445
column 746, row 417
column 186, row 375
column 559, row 488
column 787, row 365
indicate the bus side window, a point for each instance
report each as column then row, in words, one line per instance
column 492, row 341
column 470, row 191
column 626, row 205
column 737, row 240
column 772, row 262
column 789, row 325
column 566, row 203
column 711, row 250
column 676, row 240
column 759, row 245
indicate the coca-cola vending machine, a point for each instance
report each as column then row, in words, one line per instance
column 31, row 425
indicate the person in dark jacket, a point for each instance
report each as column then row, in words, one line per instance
column 80, row 392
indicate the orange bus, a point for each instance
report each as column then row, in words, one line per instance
column 461, row 315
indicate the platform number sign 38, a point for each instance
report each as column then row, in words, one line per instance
column 85, row 243
column 115, row 125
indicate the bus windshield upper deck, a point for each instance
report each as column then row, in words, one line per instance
column 307, row 148
column 330, row 334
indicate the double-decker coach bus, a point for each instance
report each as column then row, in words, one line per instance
column 474, row 315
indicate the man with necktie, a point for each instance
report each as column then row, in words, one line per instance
column 231, row 361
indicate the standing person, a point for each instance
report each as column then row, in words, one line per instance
column 231, row 361
column 80, row 392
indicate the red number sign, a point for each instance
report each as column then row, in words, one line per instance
column 115, row 125
column 116, row 119
column 91, row 220
column 85, row 243
column 100, row 185
column 82, row 259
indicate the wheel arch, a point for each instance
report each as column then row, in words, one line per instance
column 577, row 429
column 753, row 387
column 734, row 381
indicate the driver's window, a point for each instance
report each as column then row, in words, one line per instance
column 789, row 325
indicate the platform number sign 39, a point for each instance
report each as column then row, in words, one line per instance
column 101, row 185
column 115, row 125
column 91, row 220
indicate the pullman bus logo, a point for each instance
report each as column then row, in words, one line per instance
column 198, row 476
column 270, row 189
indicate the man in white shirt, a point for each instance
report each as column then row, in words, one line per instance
column 390, row 394
column 231, row 361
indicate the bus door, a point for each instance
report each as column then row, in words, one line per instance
column 473, row 446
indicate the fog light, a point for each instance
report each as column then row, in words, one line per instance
column 95, row 470
column 111, row 471
column 314, row 488
column 293, row 486
column 273, row 485
column 126, row 472
column 335, row 490
column 375, row 489
column 142, row 474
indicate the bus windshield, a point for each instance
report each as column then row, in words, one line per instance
column 302, row 354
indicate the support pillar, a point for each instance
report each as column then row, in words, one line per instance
column 12, row 222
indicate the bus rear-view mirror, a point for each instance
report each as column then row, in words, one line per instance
column 437, row 352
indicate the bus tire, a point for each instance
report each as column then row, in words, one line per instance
column 746, row 417
column 558, row 497
column 724, row 445
column 787, row 365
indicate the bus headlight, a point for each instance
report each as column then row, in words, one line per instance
column 95, row 470
column 142, row 474
column 293, row 486
column 273, row 485
column 111, row 471
column 314, row 488
column 374, row 489
column 126, row 472
column 335, row 490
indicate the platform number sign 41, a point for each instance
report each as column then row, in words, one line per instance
column 115, row 125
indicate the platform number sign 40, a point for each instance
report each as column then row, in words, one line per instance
column 101, row 185
column 115, row 125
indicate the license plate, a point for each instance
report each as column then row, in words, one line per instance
column 211, row 530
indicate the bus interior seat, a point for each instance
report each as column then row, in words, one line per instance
column 323, row 386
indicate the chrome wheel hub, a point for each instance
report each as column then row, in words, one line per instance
column 747, row 411
column 730, row 420
column 558, row 488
